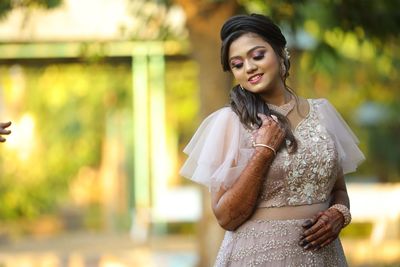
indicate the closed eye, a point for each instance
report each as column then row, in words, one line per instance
column 259, row 55
column 236, row 66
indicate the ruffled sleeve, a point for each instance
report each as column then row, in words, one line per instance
column 216, row 153
column 350, row 156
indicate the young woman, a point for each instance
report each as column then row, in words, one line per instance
column 274, row 162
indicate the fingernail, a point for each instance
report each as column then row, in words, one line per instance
column 303, row 242
column 307, row 247
column 306, row 223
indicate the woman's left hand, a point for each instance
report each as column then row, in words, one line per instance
column 322, row 229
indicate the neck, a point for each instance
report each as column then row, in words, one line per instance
column 277, row 97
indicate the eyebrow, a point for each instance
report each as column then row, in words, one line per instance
column 248, row 52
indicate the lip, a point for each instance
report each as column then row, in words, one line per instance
column 255, row 78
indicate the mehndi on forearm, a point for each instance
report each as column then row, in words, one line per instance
column 237, row 204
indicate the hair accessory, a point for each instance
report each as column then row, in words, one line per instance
column 344, row 211
column 263, row 145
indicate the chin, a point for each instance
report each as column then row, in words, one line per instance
column 259, row 88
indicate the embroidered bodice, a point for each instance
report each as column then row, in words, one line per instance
column 221, row 149
column 307, row 175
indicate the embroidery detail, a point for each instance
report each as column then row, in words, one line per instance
column 308, row 174
column 267, row 241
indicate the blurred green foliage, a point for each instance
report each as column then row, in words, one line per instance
column 361, row 230
column 68, row 103
column 7, row 5
column 182, row 98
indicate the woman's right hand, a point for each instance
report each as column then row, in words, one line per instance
column 270, row 133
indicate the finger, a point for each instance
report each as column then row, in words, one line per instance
column 2, row 139
column 262, row 116
column 322, row 221
column 319, row 246
column 5, row 131
column 308, row 223
column 316, row 240
column 5, row 124
column 312, row 237
column 328, row 241
column 275, row 118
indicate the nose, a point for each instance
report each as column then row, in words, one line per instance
column 250, row 66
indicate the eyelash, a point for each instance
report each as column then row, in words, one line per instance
column 257, row 57
column 237, row 66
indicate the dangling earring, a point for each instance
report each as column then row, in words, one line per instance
column 241, row 87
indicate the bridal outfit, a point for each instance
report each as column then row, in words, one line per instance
column 296, row 187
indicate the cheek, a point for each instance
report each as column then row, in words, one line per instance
column 272, row 63
column 238, row 75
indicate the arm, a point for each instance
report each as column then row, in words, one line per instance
column 235, row 205
column 325, row 227
column 339, row 193
column 3, row 130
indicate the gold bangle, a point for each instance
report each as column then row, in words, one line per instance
column 263, row 145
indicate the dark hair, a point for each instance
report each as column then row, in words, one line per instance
column 244, row 103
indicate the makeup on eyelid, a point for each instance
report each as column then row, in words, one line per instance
column 256, row 55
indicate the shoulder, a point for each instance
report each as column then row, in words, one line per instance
column 223, row 114
column 304, row 106
column 223, row 120
column 320, row 101
column 225, row 111
column 303, row 103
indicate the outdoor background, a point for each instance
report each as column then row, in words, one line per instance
column 105, row 94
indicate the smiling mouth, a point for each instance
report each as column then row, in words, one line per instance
column 255, row 78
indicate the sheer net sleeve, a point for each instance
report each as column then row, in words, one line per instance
column 350, row 156
column 217, row 153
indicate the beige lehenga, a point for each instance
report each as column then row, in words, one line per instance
column 296, row 187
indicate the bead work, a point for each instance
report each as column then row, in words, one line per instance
column 271, row 241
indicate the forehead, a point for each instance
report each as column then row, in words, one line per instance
column 246, row 42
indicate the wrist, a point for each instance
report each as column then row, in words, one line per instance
column 264, row 153
column 261, row 146
column 342, row 209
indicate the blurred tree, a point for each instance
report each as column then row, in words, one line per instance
column 7, row 5
column 201, row 19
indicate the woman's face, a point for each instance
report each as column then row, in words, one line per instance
column 255, row 64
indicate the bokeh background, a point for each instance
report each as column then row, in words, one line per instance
column 104, row 95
